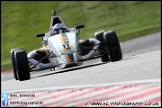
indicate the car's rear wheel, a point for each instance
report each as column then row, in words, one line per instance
column 113, row 45
column 102, row 50
column 13, row 61
column 21, row 64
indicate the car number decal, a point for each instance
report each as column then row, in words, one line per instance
column 68, row 52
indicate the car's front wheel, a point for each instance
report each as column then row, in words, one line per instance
column 13, row 61
column 113, row 45
column 21, row 64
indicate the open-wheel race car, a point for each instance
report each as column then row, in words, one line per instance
column 64, row 50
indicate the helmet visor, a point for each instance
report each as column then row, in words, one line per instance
column 56, row 31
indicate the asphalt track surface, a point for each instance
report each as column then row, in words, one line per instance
column 141, row 61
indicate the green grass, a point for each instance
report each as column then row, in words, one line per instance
column 22, row 20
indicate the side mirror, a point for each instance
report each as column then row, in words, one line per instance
column 40, row 35
column 79, row 26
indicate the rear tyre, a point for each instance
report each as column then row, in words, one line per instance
column 113, row 45
column 102, row 50
column 13, row 61
column 21, row 63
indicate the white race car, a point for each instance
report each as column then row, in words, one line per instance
column 65, row 50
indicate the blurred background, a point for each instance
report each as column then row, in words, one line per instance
column 22, row 20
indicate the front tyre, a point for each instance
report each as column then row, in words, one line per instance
column 113, row 45
column 22, row 67
column 13, row 61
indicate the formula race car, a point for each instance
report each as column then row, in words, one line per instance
column 64, row 50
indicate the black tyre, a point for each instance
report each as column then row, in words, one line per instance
column 113, row 45
column 13, row 61
column 21, row 64
column 102, row 50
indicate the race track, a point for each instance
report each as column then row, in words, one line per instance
column 141, row 61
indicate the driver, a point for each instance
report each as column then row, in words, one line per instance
column 56, row 28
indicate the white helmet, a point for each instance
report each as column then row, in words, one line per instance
column 58, row 26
